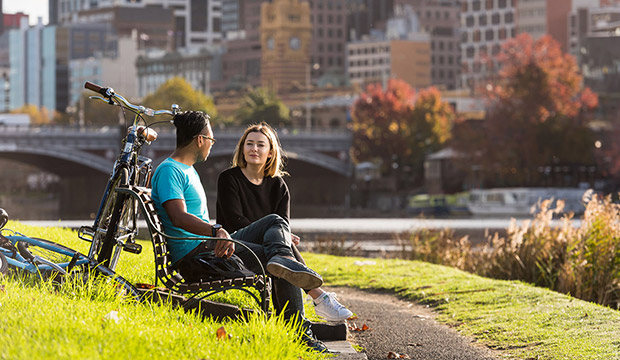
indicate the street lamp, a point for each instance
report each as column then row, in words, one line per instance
column 309, row 69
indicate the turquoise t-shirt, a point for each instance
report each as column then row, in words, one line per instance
column 174, row 180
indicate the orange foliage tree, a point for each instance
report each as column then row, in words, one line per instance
column 537, row 114
column 396, row 128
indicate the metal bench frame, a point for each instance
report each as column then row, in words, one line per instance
column 172, row 279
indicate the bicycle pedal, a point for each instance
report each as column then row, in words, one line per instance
column 132, row 248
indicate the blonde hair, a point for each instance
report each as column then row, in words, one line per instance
column 275, row 164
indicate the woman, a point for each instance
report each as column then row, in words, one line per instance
column 253, row 187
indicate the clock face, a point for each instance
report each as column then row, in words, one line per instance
column 294, row 43
column 270, row 43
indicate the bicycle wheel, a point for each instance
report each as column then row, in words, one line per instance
column 4, row 265
column 49, row 253
column 102, row 222
column 124, row 286
column 114, row 221
column 49, row 250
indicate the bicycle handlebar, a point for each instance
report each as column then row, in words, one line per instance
column 109, row 93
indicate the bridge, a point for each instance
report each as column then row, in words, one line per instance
column 82, row 157
column 96, row 148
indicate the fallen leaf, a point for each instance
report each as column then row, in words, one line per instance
column 365, row 327
column 353, row 317
column 393, row 355
column 112, row 316
column 414, row 344
column 221, row 334
column 145, row 286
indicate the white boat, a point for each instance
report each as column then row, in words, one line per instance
column 520, row 201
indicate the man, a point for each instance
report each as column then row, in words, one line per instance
column 182, row 206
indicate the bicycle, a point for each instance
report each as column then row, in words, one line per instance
column 115, row 225
column 48, row 259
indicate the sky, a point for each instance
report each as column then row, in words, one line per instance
column 34, row 8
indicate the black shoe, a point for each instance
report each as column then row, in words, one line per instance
column 308, row 338
column 294, row 272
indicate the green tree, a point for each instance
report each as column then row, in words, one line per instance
column 536, row 114
column 95, row 112
column 397, row 129
column 178, row 91
column 262, row 104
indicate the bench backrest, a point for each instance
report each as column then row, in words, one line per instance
column 163, row 271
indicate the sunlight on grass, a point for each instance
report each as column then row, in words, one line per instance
column 89, row 319
column 522, row 320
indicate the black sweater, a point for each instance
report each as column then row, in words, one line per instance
column 240, row 202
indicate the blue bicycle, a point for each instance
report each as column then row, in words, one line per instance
column 115, row 226
column 50, row 260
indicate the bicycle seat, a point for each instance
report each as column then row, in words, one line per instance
column 4, row 217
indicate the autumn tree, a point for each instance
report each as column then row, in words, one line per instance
column 536, row 114
column 38, row 116
column 262, row 104
column 178, row 91
column 397, row 129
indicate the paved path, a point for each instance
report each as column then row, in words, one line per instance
column 405, row 328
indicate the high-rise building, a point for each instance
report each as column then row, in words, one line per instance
column 329, row 37
column 366, row 15
column 485, row 25
column 441, row 20
column 39, row 66
column 285, row 45
column 154, row 24
column 239, row 65
column 402, row 52
column 196, row 23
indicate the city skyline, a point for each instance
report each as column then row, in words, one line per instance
column 33, row 8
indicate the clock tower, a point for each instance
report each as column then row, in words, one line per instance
column 285, row 44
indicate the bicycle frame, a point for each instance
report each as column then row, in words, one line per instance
column 39, row 265
column 103, row 234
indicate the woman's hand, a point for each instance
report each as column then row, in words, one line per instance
column 224, row 248
column 295, row 239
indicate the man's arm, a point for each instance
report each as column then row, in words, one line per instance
column 177, row 212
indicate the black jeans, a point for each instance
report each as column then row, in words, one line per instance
column 268, row 237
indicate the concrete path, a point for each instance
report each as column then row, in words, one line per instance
column 404, row 328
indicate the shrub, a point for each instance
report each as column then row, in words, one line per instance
column 582, row 261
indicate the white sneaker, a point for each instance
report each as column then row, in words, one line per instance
column 328, row 307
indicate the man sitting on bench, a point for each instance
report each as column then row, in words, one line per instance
column 181, row 203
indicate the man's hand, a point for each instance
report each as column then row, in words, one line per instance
column 295, row 239
column 224, row 248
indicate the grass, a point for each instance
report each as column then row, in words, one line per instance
column 524, row 321
column 521, row 320
column 44, row 321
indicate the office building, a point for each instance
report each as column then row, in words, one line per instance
column 485, row 26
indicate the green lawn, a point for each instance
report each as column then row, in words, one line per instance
column 522, row 321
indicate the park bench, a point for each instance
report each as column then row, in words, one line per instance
column 172, row 279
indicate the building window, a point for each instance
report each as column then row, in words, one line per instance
column 501, row 34
column 495, row 19
column 488, row 35
column 508, row 17
column 469, row 21
column 489, row 4
column 501, row 4
column 482, row 20
column 475, row 5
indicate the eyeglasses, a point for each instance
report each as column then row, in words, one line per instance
column 208, row 138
